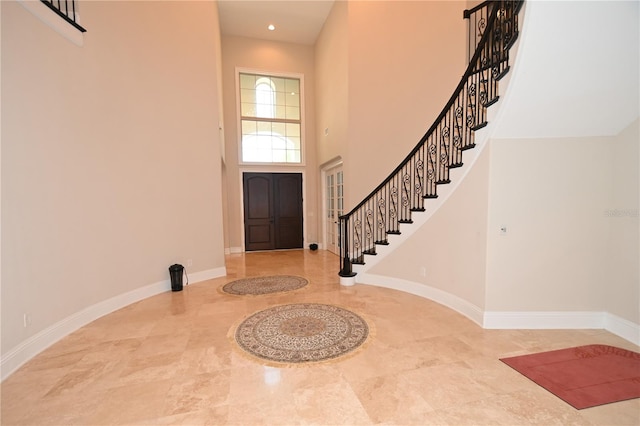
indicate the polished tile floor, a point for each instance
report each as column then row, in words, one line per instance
column 168, row 360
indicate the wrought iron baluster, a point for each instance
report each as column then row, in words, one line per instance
column 355, row 243
column 458, row 137
column 419, row 181
column 444, row 150
column 382, row 226
column 406, row 195
column 471, row 103
column 433, row 170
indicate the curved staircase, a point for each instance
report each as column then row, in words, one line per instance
column 370, row 226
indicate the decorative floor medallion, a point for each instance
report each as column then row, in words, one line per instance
column 300, row 333
column 265, row 285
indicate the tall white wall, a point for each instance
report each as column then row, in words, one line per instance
column 401, row 75
column 332, row 85
column 385, row 76
column 110, row 157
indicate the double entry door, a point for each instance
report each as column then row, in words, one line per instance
column 272, row 211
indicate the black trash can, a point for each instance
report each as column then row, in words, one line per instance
column 176, row 272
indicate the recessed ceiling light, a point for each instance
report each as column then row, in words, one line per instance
column 271, row 27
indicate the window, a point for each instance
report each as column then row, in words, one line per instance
column 270, row 119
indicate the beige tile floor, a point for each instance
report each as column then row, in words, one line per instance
column 167, row 360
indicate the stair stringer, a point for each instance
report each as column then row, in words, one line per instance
column 482, row 138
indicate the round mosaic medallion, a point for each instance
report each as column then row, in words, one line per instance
column 303, row 332
column 265, row 285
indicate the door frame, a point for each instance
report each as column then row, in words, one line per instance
column 336, row 162
column 271, row 169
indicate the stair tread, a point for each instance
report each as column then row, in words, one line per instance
column 491, row 102
column 503, row 73
column 479, row 126
column 512, row 41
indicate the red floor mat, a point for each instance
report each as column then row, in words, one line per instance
column 584, row 376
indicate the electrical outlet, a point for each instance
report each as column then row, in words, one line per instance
column 27, row 320
column 189, row 262
column 423, row 271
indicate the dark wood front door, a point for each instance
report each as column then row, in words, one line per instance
column 272, row 211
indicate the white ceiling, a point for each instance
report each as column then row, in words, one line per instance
column 296, row 21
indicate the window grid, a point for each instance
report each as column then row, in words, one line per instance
column 270, row 118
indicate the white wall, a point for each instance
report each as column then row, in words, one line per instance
column 570, row 206
column 110, row 159
column 551, row 195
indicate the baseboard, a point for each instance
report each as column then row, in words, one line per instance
column 511, row 320
column 543, row 320
column 623, row 328
column 469, row 310
column 35, row 344
column 564, row 320
column 210, row 274
column 233, row 250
